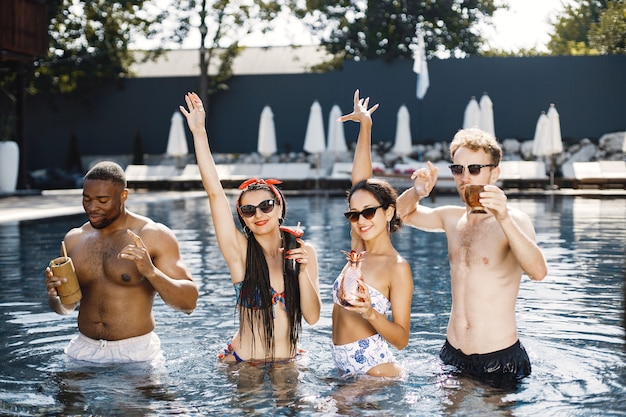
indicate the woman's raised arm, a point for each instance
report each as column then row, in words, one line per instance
column 362, row 166
column 232, row 243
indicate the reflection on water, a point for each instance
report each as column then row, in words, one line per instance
column 572, row 325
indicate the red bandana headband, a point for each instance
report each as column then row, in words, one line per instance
column 268, row 182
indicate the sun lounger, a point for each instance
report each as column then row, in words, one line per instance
column 191, row 172
column 341, row 170
column 245, row 171
column 297, row 171
column 149, row 172
column 509, row 170
column 599, row 174
column 272, row 170
column 189, row 178
column 231, row 175
column 149, row 176
column 238, row 172
column 523, row 174
column 613, row 170
column 286, row 171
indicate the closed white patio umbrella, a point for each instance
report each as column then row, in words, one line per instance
column 548, row 141
column 336, row 134
column 486, row 115
column 403, row 142
column 556, row 140
column 177, row 141
column 314, row 139
column 471, row 117
column 266, row 144
column 541, row 140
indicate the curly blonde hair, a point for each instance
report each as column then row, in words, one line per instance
column 476, row 139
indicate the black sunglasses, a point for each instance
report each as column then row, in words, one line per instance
column 249, row 210
column 473, row 169
column 368, row 214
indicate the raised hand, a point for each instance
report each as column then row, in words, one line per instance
column 195, row 115
column 361, row 112
column 425, row 179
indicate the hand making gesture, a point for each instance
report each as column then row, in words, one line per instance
column 425, row 179
column 195, row 116
column 360, row 113
column 138, row 253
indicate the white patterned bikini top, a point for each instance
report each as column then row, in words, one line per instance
column 380, row 303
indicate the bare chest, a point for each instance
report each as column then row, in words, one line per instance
column 96, row 259
column 479, row 244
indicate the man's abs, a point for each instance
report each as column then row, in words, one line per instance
column 481, row 335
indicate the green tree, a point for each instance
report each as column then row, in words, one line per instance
column 608, row 35
column 90, row 41
column 355, row 29
column 572, row 26
column 521, row 52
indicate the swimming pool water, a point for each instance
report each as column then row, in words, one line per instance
column 572, row 325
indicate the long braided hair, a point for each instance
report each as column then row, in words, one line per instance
column 255, row 297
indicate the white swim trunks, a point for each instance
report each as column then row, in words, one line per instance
column 358, row 357
column 146, row 348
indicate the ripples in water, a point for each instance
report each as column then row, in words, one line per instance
column 572, row 325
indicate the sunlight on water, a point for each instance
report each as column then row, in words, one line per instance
column 572, row 325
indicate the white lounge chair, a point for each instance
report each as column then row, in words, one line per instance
column 151, row 176
column 599, row 174
column 272, row 170
column 341, row 170
column 523, row 174
column 297, row 171
column 191, row 172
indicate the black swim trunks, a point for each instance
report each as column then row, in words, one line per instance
column 501, row 369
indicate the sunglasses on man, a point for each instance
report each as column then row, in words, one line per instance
column 474, row 169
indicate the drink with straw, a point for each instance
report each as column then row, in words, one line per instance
column 290, row 236
column 69, row 292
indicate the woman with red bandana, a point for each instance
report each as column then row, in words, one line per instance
column 274, row 272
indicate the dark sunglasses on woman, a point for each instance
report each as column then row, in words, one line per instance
column 249, row 210
column 473, row 169
column 368, row 214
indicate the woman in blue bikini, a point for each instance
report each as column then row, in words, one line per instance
column 273, row 292
column 361, row 331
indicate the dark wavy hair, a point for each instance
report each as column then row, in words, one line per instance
column 384, row 193
column 256, row 290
